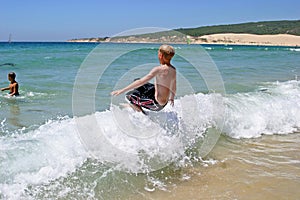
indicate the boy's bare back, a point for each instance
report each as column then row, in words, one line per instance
column 165, row 83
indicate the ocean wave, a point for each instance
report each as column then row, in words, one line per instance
column 140, row 144
column 275, row 109
column 39, row 156
column 295, row 49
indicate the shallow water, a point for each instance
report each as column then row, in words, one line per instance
column 261, row 168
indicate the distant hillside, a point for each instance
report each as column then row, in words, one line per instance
column 198, row 35
column 259, row 28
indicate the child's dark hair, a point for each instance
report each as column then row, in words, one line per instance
column 12, row 75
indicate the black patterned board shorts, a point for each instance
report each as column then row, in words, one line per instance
column 144, row 97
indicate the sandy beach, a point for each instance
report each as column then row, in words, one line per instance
column 249, row 39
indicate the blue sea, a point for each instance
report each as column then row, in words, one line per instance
column 233, row 132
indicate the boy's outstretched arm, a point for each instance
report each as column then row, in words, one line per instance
column 7, row 88
column 137, row 83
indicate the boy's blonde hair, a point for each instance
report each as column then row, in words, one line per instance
column 167, row 51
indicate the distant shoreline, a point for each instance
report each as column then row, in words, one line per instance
column 251, row 39
column 222, row 39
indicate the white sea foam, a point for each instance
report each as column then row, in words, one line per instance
column 275, row 110
column 24, row 95
column 295, row 49
column 140, row 143
column 51, row 151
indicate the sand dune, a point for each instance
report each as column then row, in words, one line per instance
column 249, row 39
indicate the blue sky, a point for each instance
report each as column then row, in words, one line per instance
column 59, row 20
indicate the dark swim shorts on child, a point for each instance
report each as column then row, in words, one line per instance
column 144, row 97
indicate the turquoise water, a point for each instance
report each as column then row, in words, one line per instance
column 43, row 156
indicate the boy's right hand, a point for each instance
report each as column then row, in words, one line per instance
column 116, row 92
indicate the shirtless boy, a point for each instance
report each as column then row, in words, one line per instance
column 154, row 97
column 13, row 87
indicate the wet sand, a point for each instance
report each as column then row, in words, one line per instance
column 262, row 168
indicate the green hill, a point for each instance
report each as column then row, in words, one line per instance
column 260, row 28
column 179, row 35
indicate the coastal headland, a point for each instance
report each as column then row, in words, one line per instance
column 275, row 33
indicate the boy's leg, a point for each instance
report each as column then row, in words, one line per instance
column 134, row 107
column 137, row 108
column 133, row 97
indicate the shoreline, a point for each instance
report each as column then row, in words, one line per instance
column 218, row 39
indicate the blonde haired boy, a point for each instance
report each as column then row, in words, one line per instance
column 154, row 96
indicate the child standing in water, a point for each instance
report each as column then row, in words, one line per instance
column 13, row 87
column 154, row 97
